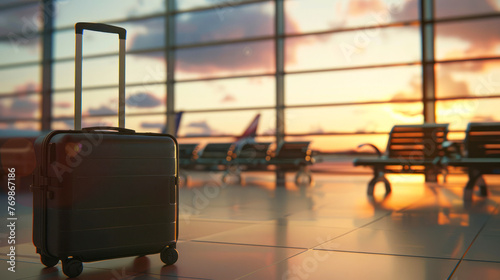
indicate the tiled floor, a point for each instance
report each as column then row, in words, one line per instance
column 330, row 230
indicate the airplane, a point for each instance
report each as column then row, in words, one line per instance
column 251, row 130
column 191, row 156
column 247, row 135
column 178, row 117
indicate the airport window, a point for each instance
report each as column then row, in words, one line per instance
column 151, row 123
column 221, row 5
column 139, row 100
column 143, row 35
column 239, row 22
column 353, row 86
column 67, row 13
column 19, row 22
column 458, row 113
column 20, row 27
column 355, row 61
column 370, row 118
column 467, row 53
column 337, row 143
column 26, row 50
column 366, row 47
column 225, row 94
column 19, row 80
column 454, row 8
column 336, row 15
column 21, row 107
column 20, row 125
column 248, row 58
column 143, row 68
column 225, row 123
column 467, row 39
column 467, row 79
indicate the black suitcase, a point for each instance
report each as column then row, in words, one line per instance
column 104, row 192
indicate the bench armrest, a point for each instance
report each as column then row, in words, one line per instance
column 373, row 146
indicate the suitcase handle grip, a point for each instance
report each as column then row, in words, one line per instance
column 101, row 27
column 119, row 129
column 79, row 27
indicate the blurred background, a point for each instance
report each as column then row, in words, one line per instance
column 336, row 73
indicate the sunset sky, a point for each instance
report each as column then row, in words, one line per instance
column 337, row 92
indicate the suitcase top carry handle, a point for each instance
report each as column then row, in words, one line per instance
column 101, row 27
column 119, row 129
column 122, row 33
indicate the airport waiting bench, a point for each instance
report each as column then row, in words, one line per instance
column 480, row 155
column 187, row 160
column 411, row 149
column 251, row 155
column 187, row 154
column 293, row 156
column 233, row 158
column 213, row 156
column 247, row 157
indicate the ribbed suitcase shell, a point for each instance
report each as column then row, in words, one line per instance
column 105, row 194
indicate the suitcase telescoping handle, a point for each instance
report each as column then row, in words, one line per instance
column 119, row 129
column 122, row 34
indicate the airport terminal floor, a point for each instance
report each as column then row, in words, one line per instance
column 329, row 230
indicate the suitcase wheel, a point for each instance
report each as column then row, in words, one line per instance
column 72, row 267
column 169, row 255
column 48, row 261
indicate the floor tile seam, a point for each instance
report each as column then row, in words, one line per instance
column 222, row 221
column 376, row 220
column 60, row 270
column 481, row 261
column 251, row 245
column 135, row 274
column 122, row 268
column 273, row 264
column 352, row 230
column 37, row 276
column 221, row 232
column 387, row 254
column 168, row 275
column 470, row 246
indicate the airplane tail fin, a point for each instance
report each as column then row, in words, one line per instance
column 178, row 118
column 251, row 130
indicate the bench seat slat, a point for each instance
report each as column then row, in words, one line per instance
column 391, row 161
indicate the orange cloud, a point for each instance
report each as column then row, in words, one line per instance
column 361, row 7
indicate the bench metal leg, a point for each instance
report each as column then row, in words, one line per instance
column 378, row 176
column 303, row 177
column 280, row 178
column 430, row 175
column 475, row 179
column 445, row 173
column 232, row 170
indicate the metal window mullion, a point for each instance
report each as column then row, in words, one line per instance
column 280, row 70
column 428, row 60
column 47, row 56
column 170, row 60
